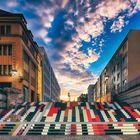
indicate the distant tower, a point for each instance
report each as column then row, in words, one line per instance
column 69, row 96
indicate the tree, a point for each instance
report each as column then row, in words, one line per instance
column 83, row 98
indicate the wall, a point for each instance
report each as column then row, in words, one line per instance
column 134, row 55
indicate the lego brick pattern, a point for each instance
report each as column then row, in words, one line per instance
column 69, row 129
column 71, row 118
column 73, row 112
column 84, row 129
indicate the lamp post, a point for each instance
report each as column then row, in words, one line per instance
column 14, row 74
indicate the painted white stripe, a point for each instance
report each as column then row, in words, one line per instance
column 68, row 129
column 7, row 115
column 104, row 116
column 79, row 129
column 136, row 110
column 45, row 130
column 111, row 115
column 17, row 130
column 130, row 133
column 125, row 113
column 77, row 114
column 70, row 115
column 62, row 116
column 90, row 129
column 57, row 126
column 87, row 105
column 111, row 105
column 38, row 117
column 32, row 109
column 92, row 113
column 17, row 112
column 85, row 115
column 118, row 106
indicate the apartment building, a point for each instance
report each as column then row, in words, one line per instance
column 50, row 86
column 123, row 67
column 19, row 58
column 90, row 93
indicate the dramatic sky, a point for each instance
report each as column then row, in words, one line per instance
column 80, row 36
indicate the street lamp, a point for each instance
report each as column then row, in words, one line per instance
column 14, row 72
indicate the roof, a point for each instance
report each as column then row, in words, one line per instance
column 5, row 12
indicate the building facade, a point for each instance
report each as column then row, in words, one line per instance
column 39, row 77
column 19, row 58
column 50, row 86
column 123, row 67
column 90, row 93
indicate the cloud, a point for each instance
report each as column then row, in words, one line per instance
column 66, row 25
column 136, row 7
column 73, row 31
column 73, row 81
column 94, row 28
column 118, row 24
column 12, row 3
column 111, row 8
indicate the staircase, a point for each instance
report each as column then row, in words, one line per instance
column 71, row 118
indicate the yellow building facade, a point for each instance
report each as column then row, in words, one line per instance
column 20, row 64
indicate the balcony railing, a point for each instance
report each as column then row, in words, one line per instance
column 128, row 86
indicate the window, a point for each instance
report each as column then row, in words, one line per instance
column 24, row 37
column 118, row 76
column 0, row 49
column 118, row 86
column 5, row 30
column 114, row 69
column 8, row 29
column 124, row 46
column 25, row 57
column 33, row 75
column 26, row 66
column 33, row 67
column 26, row 75
column 2, row 30
column 0, row 69
column 25, row 92
column 114, row 78
column 9, row 49
column 114, row 87
column 124, row 82
column 5, row 49
column 125, row 72
column 32, row 96
column 118, row 66
column 124, row 59
column 4, row 69
column 9, row 69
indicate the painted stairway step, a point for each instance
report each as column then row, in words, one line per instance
column 59, row 131
column 4, row 133
column 66, row 128
column 63, row 133
column 84, row 127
